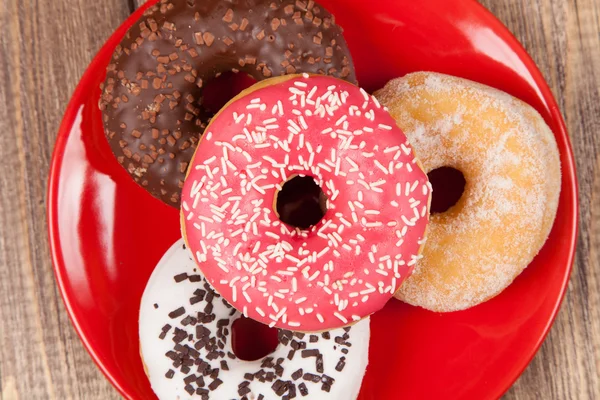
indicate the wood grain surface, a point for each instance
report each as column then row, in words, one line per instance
column 45, row 46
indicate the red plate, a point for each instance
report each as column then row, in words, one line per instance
column 107, row 234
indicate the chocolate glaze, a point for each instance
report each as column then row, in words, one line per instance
column 152, row 96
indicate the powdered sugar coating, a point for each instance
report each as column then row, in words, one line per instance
column 349, row 264
column 511, row 165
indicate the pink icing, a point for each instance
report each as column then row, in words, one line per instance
column 349, row 264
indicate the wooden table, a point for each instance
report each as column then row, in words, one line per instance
column 45, row 45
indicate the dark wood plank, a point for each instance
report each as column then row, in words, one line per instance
column 44, row 48
column 48, row 44
column 563, row 39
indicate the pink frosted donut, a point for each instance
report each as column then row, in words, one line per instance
column 375, row 200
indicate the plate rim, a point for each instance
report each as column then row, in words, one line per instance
column 569, row 157
column 72, row 109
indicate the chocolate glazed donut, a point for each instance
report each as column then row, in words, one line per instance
column 152, row 96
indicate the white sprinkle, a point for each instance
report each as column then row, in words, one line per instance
column 314, row 276
column 365, row 94
column 223, row 267
column 376, row 102
column 342, row 119
column 247, row 155
column 300, row 300
column 302, row 122
column 340, row 317
column 407, row 221
column 381, row 167
column 294, row 125
column 272, row 235
column 210, row 160
column 414, row 186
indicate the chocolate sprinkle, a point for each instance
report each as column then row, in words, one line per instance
column 181, row 277
column 243, row 391
column 177, row 313
column 164, row 331
column 303, row 389
column 189, row 379
column 341, row 364
column 310, row 353
column 311, row 377
column 215, row 384
column 195, row 355
column 296, row 375
column 165, row 60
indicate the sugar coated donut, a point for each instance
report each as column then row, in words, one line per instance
column 345, row 266
column 185, row 341
column 152, row 99
column 511, row 166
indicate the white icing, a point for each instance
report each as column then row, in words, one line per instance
column 170, row 295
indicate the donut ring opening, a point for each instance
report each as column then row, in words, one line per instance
column 448, row 185
column 251, row 340
column 224, row 87
column 301, row 202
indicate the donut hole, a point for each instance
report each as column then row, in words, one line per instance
column 252, row 340
column 448, row 186
column 301, row 202
column 222, row 88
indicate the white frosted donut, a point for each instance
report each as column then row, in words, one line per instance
column 185, row 329
column 510, row 162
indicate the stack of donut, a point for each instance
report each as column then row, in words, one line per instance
column 303, row 204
